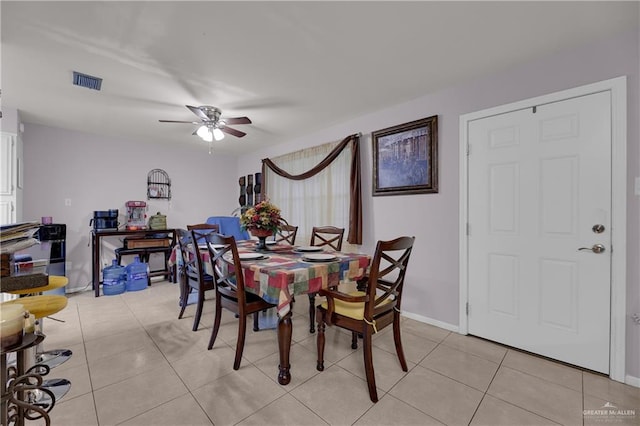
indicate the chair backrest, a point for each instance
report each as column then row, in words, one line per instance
column 202, row 229
column 204, row 226
column 327, row 236
column 229, row 225
column 387, row 272
column 192, row 265
column 228, row 278
column 286, row 233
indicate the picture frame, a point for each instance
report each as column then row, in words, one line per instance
column 405, row 158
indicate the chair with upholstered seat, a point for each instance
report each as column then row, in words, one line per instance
column 369, row 311
column 192, row 276
column 230, row 291
column 321, row 236
column 229, row 225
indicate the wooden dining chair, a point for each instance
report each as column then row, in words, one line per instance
column 192, row 274
column 369, row 311
column 286, row 233
column 228, row 282
column 330, row 236
column 203, row 229
column 327, row 236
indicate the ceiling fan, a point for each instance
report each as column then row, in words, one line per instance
column 211, row 125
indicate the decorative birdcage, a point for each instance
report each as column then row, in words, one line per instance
column 158, row 185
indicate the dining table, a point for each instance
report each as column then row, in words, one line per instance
column 283, row 271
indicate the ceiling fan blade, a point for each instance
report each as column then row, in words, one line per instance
column 237, row 120
column 175, row 121
column 197, row 111
column 231, row 131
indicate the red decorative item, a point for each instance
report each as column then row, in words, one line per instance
column 259, row 232
column 262, row 235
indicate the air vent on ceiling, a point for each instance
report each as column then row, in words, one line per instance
column 88, row 81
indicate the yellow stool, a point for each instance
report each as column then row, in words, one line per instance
column 40, row 306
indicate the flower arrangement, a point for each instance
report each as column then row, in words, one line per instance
column 263, row 215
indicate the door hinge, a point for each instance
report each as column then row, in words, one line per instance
column 468, row 149
column 467, row 308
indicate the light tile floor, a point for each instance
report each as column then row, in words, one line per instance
column 135, row 363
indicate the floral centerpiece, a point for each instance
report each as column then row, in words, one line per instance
column 261, row 220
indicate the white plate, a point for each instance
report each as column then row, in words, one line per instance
column 319, row 257
column 215, row 246
column 250, row 256
column 271, row 242
column 309, row 248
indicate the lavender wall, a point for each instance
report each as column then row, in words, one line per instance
column 98, row 173
column 432, row 291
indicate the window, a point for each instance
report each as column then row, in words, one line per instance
column 312, row 187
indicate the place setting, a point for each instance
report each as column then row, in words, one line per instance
column 308, row 249
column 319, row 257
column 249, row 256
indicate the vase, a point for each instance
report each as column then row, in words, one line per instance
column 262, row 235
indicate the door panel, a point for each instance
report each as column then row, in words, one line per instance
column 539, row 180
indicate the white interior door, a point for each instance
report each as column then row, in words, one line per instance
column 539, row 243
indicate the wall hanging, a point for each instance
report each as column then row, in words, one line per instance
column 405, row 158
column 158, row 185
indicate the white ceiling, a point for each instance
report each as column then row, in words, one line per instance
column 292, row 67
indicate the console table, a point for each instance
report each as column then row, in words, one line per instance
column 96, row 247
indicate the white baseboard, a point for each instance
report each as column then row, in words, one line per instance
column 629, row 380
column 632, row 381
column 431, row 321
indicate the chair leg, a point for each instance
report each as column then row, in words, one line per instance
column 184, row 295
column 242, row 328
column 320, row 340
column 368, row 365
column 312, row 312
column 354, row 340
column 216, row 324
column 256, row 325
column 196, row 320
column 167, row 268
column 398, row 341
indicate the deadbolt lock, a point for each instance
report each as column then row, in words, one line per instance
column 598, row 229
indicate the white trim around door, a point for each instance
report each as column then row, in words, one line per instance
column 618, row 88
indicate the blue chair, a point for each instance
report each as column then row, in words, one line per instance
column 229, row 225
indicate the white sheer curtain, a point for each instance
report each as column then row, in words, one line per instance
column 321, row 200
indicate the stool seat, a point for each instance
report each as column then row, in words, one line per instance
column 40, row 306
column 54, row 283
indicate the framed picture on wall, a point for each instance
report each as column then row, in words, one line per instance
column 405, row 158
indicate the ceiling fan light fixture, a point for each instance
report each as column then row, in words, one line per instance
column 202, row 131
column 217, row 134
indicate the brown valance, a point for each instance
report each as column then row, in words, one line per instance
column 354, row 235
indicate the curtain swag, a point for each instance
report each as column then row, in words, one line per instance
column 354, row 236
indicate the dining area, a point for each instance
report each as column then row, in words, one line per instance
column 249, row 277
